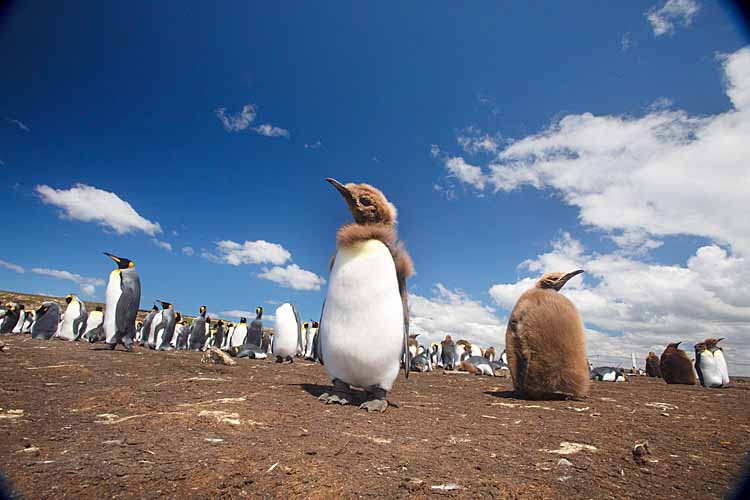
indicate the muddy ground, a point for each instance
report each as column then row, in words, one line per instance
column 79, row 422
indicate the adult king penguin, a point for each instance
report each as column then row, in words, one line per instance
column 364, row 325
column 47, row 321
column 255, row 331
column 545, row 342
column 710, row 364
column 123, row 300
column 675, row 366
column 22, row 314
column 74, row 319
column 198, row 331
column 146, row 328
column 10, row 318
column 287, row 333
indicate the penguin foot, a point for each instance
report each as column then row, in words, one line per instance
column 111, row 347
column 341, row 394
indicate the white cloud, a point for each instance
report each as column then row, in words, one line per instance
column 188, row 251
column 664, row 173
column 270, row 131
column 454, row 313
column 673, row 12
column 162, row 244
column 292, row 276
column 88, row 285
column 12, row 266
column 626, row 42
column 239, row 121
column 18, row 123
column 236, row 313
column 314, row 145
column 89, row 204
column 650, row 304
column 249, row 252
column 474, row 141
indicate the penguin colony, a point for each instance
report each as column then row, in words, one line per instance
column 363, row 337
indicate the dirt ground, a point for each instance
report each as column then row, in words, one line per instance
column 79, row 422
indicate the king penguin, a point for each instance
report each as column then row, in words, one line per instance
column 123, row 299
column 675, row 366
column 545, row 342
column 74, row 319
column 198, row 331
column 94, row 331
column 652, row 365
column 47, row 321
column 255, row 331
column 287, row 333
column 147, row 322
column 239, row 334
column 710, row 364
column 364, row 325
column 10, row 318
column 165, row 331
column 21, row 319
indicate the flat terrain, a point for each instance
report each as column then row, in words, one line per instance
column 78, row 422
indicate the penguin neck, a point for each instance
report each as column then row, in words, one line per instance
column 351, row 234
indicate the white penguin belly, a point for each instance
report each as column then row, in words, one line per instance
column 362, row 327
column 112, row 296
column 72, row 312
column 309, row 342
column 609, row 377
column 722, row 364
column 710, row 370
column 238, row 335
column 95, row 319
column 19, row 324
column 285, row 332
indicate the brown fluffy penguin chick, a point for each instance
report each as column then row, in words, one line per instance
column 545, row 342
column 490, row 353
column 676, row 367
column 652, row 365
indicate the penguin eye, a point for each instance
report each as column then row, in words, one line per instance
column 365, row 201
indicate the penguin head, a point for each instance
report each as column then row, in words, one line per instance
column 202, row 310
column 122, row 262
column 674, row 345
column 178, row 317
column 367, row 204
column 258, row 312
column 68, row 299
column 700, row 347
column 712, row 342
column 556, row 281
column 99, row 308
column 42, row 309
column 165, row 305
column 243, row 320
column 155, row 308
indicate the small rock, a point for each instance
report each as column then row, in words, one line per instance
column 214, row 355
column 564, row 462
column 640, row 450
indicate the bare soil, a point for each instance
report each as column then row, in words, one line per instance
column 80, row 422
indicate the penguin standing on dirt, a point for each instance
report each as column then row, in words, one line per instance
column 448, row 353
column 310, row 334
column 239, row 334
column 22, row 314
column 165, row 331
column 123, row 299
column 198, row 331
column 94, row 331
column 74, row 319
column 545, row 342
column 364, row 326
column 710, row 364
column 10, row 318
column 28, row 321
column 255, row 332
column 652, row 365
column 287, row 337
column 675, row 366
column 218, row 336
column 47, row 321
column 156, row 326
column 146, row 328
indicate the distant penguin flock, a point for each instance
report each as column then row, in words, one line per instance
column 362, row 338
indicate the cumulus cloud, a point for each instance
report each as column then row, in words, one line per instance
column 162, row 244
column 88, row 285
column 474, row 141
column 12, row 266
column 249, row 252
column 454, row 313
column 188, row 251
column 292, row 276
column 89, row 204
column 239, row 121
column 664, row 173
column 673, row 12
column 648, row 305
column 270, row 131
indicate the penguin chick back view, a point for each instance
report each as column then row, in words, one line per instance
column 545, row 342
column 675, row 366
column 287, row 336
column 364, row 324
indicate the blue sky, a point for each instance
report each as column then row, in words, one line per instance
column 504, row 134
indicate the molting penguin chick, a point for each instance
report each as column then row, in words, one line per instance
column 545, row 342
column 652, row 365
column 675, row 366
column 364, row 327
column 123, row 300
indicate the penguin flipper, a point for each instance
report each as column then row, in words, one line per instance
column 318, row 348
column 299, row 328
column 404, row 269
column 79, row 326
column 121, row 312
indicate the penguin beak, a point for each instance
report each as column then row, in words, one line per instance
column 116, row 259
column 341, row 189
column 719, row 340
column 565, row 278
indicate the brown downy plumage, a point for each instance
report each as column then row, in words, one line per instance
column 652, row 365
column 545, row 342
column 490, row 354
column 676, row 367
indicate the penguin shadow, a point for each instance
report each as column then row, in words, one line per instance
column 111, row 350
column 502, row 394
column 514, row 395
column 357, row 396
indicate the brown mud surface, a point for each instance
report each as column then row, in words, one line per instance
column 79, row 422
